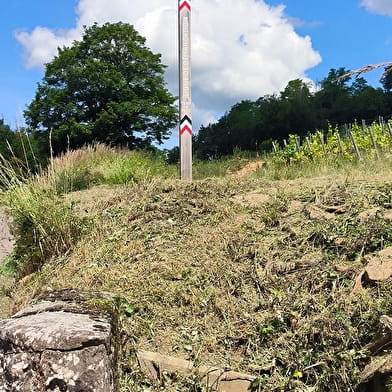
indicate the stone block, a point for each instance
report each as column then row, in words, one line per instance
column 219, row 380
column 66, row 343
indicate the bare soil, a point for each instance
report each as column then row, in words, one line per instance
column 249, row 168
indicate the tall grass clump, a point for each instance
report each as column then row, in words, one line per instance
column 135, row 166
column 72, row 171
column 44, row 226
column 102, row 165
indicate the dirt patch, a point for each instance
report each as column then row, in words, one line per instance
column 317, row 213
column 251, row 167
column 256, row 198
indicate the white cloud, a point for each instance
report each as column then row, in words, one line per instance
column 241, row 49
column 382, row 7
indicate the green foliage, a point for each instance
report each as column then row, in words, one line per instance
column 296, row 110
column 272, row 211
column 215, row 167
column 353, row 236
column 173, row 155
column 44, row 225
column 123, row 307
column 102, row 165
column 135, row 167
column 386, row 79
column 9, row 266
column 109, row 88
column 336, row 145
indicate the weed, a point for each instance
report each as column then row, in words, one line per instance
column 271, row 212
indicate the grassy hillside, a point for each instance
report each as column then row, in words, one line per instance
column 253, row 273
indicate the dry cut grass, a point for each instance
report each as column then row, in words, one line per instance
column 238, row 273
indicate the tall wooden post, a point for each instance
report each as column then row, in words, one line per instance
column 184, row 33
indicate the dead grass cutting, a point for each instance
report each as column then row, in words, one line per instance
column 249, row 274
column 281, row 275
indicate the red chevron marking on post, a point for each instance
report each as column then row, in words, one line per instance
column 185, row 129
column 185, row 4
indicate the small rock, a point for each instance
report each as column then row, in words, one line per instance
column 382, row 365
column 379, row 267
column 368, row 214
column 222, row 380
column 388, row 215
column 316, row 213
column 295, row 206
column 344, row 268
column 340, row 241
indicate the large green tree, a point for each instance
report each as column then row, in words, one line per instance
column 297, row 108
column 386, row 79
column 108, row 87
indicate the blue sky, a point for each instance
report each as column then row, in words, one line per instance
column 242, row 49
column 345, row 33
column 17, row 83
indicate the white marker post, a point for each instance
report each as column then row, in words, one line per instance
column 184, row 33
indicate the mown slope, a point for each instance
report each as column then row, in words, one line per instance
column 250, row 274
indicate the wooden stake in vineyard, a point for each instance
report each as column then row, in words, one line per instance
column 184, row 33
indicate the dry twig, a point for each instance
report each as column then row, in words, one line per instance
column 368, row 68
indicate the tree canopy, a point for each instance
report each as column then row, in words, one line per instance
column 108, row 87
column 386, row 79
column 252, row 125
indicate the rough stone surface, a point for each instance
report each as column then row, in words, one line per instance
column 6, row 238
column 379, row 366
column 316, row 213
column 379, row 267
column 218, row 380
column 63, row 345
column 6, row 247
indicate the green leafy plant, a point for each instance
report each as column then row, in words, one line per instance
column 318, row 147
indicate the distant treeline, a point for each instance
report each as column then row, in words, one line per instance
column 248, row 125
column 252, row 125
